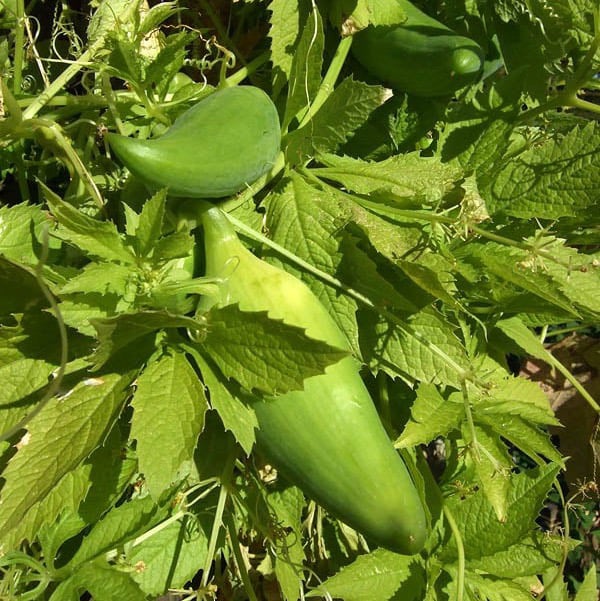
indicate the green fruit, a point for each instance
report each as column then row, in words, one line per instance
column 327, row 439
column 420, row 56
column 216, row 148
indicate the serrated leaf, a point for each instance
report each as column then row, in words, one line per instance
column 21, row 228
column 305, row 75
column 373, row 577
column 106, row 18
column 431, row 415
column 588, row 590
column 518, row 267
column 264, row 354
column 58, row 439
column 492, row 465
column 173, row 246
column 305, row 220
column 237, row 416
column 479, row 527
column 345, row 110
column 495, row 589
column 119, row 525
column 423, row 347
column 168, row 416
column 532, row 555
column 403, row 180
column 554, row 179
column 21, row 291
column 103, row 582
column 80, row 310
column 97, row 238
column 115, row 333
column 101, row 278
column 170, row 557
column 150, row 223
column 285, row 27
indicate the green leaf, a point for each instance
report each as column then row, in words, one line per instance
column 404, row 180
column 101, row 278
column 305, row 220
column 264, row 354
column 21, row 291
column 97, row 238
column 479, row 527
column 115, row 333
column 520, row 268
column 431, row 415
column 285, row 26
column 556, row 178
column 150, row 224
column 170, row 557
column 21, row 232
column 373, row 577
column 494, row 589
column 173, row 246
column 237, row 416
column 423, row 347
column 119, row 525
column 80, row 310
column 531, row 555
column 169, row 406
column 588, row 591
column 492, row 465
column 104, row 583
column 344, row 111
column 58, row 439
column 305, row 75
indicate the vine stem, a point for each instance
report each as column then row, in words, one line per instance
column 460, row 576
column 60, row 82
column 328, row 83
column 19, row 47
column 239, row 559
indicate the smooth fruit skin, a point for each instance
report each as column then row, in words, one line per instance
column 420, row 56
column 327, row 439
column 215, row 149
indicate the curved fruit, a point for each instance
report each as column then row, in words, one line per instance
column 216, row 148
column 420, row 56
column 327, row 439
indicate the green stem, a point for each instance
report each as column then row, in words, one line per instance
column 239, row 559
column 226, row 475
column 328, row 83
column 584, row 105
column 460, row 576
column 247, row 70
column 19, row 47
column 470, row 422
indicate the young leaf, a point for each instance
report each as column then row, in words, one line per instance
column 150, row 223
column 169, row 406
column 57, row 440
column 264, row 354
column 102, row 278
column 588, row 591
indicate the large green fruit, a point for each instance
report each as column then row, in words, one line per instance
column 216, row 148
column 420, row 56
column 327, row 439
